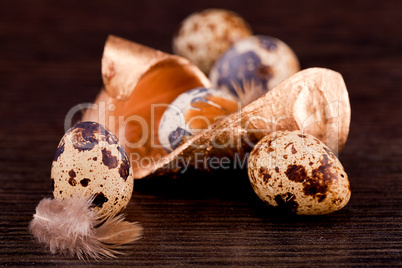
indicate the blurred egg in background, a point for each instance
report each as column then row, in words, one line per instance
column 204, row 36
column 253, row 66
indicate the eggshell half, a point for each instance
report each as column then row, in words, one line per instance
column 192, row 112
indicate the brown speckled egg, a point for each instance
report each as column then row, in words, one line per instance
column 204, row 36
column 91, row 161
column 298, row 173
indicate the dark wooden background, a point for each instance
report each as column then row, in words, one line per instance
column 50, row 55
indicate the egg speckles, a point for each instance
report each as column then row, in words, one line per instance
column 91, row 161
column 298, row 173
column 191, row 112
column 204, row 36
column 253, row 66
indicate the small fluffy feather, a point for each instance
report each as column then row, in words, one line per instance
column 71, row 226
column 248, row 92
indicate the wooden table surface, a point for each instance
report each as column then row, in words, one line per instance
column 50, row 55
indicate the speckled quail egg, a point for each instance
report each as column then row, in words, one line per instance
column 253, row 66
column 298, row 173
column 191, row 112
column 90, row 160
column 204, row 36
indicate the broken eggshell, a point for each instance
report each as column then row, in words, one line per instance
column 139, row 84
column 204, row 36
column 253, row 66
column 315, row 100
column 91, row 161
column 298, row 173
column 191, row 112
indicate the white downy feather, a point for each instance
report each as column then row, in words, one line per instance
column 70, row 226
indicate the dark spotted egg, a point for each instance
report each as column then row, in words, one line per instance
column 91, row 161
column 191, row 112
column 253, row 66
column 298, row 173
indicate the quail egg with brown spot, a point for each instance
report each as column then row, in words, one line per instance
column 91, row 161
column 298, row 173
column 204, row 36
column 253, row 66
column 191, row 112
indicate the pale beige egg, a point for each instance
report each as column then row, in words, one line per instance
column 204, row 36
column 299, row 173
column 91, row 161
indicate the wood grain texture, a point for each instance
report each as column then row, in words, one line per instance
column 50, row 61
